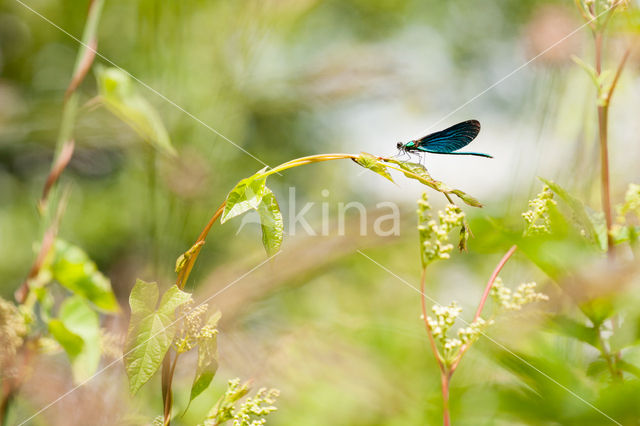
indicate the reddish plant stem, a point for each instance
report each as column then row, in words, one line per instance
column 603, row 115
column 484, row 298
column 444, row 374
column 492, row 279
column 603, row 118
column 59, row 164
column 184, row 273
column 432, row 341
column 167, row 378
column 444, row 382
column 604, row 100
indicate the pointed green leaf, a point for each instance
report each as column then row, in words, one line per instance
column 572, row 328
column 207, row 358
column 372, row 163
column 246, row 196
column 598, row 310
column 271, row 222
column 588, row 69
column 468, row 199
column 118, row 94
column 581, row 213
column 150, row 331
column 73, row 269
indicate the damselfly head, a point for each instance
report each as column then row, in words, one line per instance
column 400, row 146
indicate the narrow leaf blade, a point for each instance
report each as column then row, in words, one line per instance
column 271, row 223
column 207, row 358
column 582, row 215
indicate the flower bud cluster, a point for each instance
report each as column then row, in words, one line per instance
column 259, row 406
column 193, row 328
column 434, row 237
column 250, row 413
column 537, row 217
column 470, row 334
column 445, row 318
column 514, row 301
column 111, row 343
column 12, row 331
column 631, row 203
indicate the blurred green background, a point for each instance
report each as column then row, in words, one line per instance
column 339, row 336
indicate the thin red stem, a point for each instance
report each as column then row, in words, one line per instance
column 432, row 341
column 492, row 279
column 483, row 300
column 444, row 374
column 184, row 273
column 168, row 401
column 444, row 382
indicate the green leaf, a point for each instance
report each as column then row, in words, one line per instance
column 150, row 331
column 414, row 171
column 572, row 328
column 118, row 94
column 70, row 342
column 419, row 172
column 207, row 359
column 468, row 199
column 588, row 69
column 372, row 163
column 598, row 310
column 629, row 368
column 623, row 337
column 599, row 224
column 271, row 222
column 78, row 331
column 590, row 223
column 246, row 196
column 73, row 269
column 597, row 367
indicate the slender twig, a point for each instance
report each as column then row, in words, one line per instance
column 444, row 384
column 483, row 300
column 167, row 379
column 432, row 341
column 604, row 96
column 183, row 275
column 621, row 65
column 492, row 279
column 445, row 374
